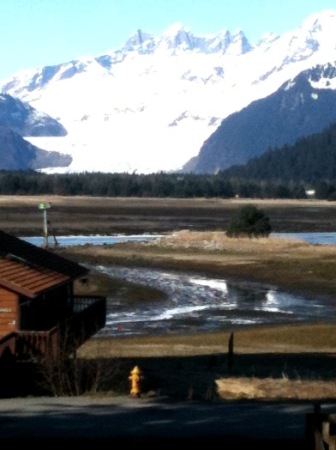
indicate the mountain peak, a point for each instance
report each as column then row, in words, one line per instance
column 150, row 105
column 324, row 21
column 138, row 40
column 175, row 29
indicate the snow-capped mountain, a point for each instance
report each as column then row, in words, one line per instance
column 302, row 106
column 18, row 154
column 18, row 119
column 21, row 118
column 150, row 106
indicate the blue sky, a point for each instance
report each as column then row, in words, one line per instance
column 36, row 33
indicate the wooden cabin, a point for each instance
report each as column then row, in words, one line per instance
column 39, row 314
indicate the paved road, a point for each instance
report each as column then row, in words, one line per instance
column 127, row 420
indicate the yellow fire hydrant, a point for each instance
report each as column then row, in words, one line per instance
column 135, row 378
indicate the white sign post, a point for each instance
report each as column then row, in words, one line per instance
column 44, row 207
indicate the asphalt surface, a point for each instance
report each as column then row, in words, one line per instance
column 127, row 420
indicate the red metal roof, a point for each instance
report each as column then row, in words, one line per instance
column 27, row 280
column 31, row 270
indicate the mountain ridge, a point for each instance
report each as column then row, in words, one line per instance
column 17, row 120
column 298, row 163
column 151, row 105
column 301, row 107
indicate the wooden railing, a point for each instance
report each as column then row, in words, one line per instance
column 321, row 431
column 87, row 318
column 34, row 345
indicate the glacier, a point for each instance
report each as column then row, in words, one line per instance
column 149, row 106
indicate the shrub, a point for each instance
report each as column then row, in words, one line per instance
column 249, row 221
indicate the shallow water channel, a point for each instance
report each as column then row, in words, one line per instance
column 200, row 304
column 68, row 241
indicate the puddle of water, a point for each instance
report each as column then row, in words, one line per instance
column 66, row 241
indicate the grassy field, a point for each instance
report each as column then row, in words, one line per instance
column 282, row 362
column 265, row 363
column 100, row 215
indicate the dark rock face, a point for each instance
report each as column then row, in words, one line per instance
column 296, row 110
column 19, row 119
column 18, row 154
column 26, row 120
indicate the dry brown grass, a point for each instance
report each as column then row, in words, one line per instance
column 274, row 389
column 109, row 215
column 291, row 265
column 277, row 362
column 296, row 362
column 282, row 339
column 282, row 362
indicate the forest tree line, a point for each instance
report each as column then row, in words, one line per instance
column 290, row 172
column 311, row 160
column 174, row 185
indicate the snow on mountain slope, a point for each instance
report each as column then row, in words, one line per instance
column 150, row 106
column 302, row 106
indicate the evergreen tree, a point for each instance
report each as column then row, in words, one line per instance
column 249, row 221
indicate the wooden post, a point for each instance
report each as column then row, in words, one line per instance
column 230, row 351
column 45, row 228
